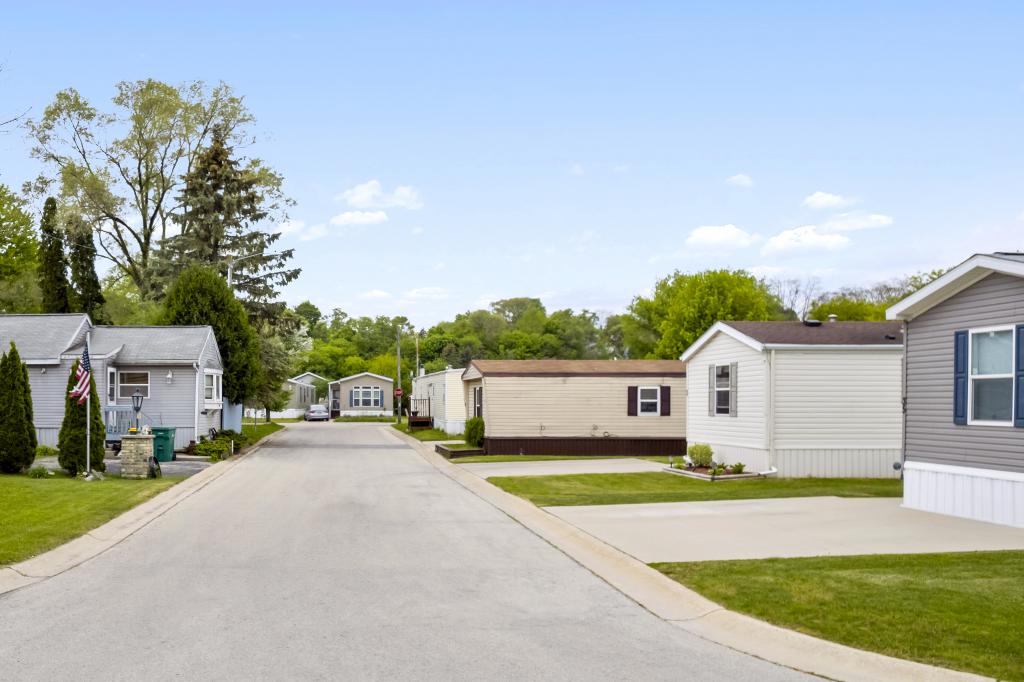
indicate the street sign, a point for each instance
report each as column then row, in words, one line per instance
column 398, row 393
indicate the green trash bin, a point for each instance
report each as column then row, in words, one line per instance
column 163, row 443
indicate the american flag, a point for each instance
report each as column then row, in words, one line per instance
column 81, row 389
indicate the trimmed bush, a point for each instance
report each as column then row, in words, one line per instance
column 38, row 472
column 475, row 432
column 240, row 439
column 216, row 449
column 700, row 454
column 17, row 434
column 46, row 451
column 71, row 441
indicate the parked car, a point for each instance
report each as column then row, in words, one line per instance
column 316, row 413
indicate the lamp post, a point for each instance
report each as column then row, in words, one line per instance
column 137, row 406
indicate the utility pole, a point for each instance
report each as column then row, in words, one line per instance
column 398, row 376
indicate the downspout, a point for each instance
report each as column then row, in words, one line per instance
column 903, row 402
column 195, row 404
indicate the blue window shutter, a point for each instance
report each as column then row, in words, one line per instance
column 960, row 377
column 1018, row 380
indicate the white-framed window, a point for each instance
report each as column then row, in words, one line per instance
column 648, row 400
column 129, row 382
column 213, row 387
column 722, row 389
column 111, row 386
column 990, row 385
column 478, row 401
column 366, row 396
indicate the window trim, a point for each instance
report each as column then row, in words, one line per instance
column 971, row 421
column 111, row 386
column 640, row 400
column 727, row 390
column 478, row 402
column 218, row 388
column 121, row 384
column 376, row 397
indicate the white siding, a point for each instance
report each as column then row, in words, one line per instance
column 731, row 437
column 838, row 463
column 982, row 494
column 454, row 402
column 838, row 400
column 576, row 407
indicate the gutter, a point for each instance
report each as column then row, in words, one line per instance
column 195, row 404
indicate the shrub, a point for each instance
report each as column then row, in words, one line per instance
column 46, row 451
column 738, row 467
column 475, row 432
column 240, row 439
column 38, row 472
column 700, row 454
column 71, row 441
column 214, row 449
column 17, row 434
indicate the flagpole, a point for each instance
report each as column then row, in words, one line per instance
column 88, row 416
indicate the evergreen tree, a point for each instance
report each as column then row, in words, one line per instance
column 82, row 255
column 71, row 441
column 17, row 449
column 53, row 266
column 200, row 296
column 223, row 204
column 25, row 389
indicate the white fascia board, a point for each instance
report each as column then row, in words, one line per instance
column 108, row 356
column 362, row 374
column 723, row 328
column 953, row 282
column 833, row 346
column 314, row 374
column 85, row 321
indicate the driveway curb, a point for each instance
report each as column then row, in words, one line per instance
column 683, row 607
column 116, row 530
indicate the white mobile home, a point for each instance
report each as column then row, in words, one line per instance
column 441, row 396
column 805, row 398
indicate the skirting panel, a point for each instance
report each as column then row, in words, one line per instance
column 585, row 446
column 836, row 463
column 980, row 494
column 754, row 459
column 451, row 426
column 362, row 413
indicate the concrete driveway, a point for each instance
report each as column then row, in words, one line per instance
column 559, row 466
column 788, row 527
column 337, row 552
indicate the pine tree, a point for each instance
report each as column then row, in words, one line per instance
column 71, row 441
column 82, row 255
column 25, row 389
column 53, row 266
column 16, row 444
column 224, row 203
column 201, row 296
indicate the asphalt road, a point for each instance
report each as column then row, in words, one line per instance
column 338, row 553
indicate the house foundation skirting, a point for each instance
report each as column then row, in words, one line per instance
column 450, row 425
column 980, row 494
column 585, row 446
column 362, row 413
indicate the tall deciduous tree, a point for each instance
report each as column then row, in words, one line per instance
column 53, row 266
column 19, row 249
column 123, row 169
column 200, row 296
column 88, row 293
column 71, row 440
column 223, row 204
column 17, row 434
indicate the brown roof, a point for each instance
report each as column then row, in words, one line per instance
column 826, row 334
column 539, row 368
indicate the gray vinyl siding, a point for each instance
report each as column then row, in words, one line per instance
column 340, row 392
column 168, row 404
column 930, row 433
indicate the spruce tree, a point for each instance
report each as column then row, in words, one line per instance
column 71, row 441
column 53, row 266
column 82, row 256
column 16, row 444
column 200, row 296
column 25, row 389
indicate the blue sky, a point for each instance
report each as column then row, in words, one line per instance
column 581, row 151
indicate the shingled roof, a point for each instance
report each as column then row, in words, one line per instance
column 541, row 368
column 824, row 334
column 177, row 345
column 42, row 338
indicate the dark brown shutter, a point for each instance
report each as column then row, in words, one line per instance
column 631, row 398
column 666, row 401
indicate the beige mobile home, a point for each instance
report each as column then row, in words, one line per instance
column 440, row 395
column 362, row 395
column 579, row 407
column 802, row 398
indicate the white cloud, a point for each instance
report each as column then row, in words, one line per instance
column 372, row 195
column 439, row 266
column 803, row 239
column 763, row 271
column 359, row 218
column 728, row 236
column 314, row 232
column 855, row 220
column 291, row 227
column 827, row 200
column 576, row 169
column 417, row 230
column 427, row 294
column 1020, row 216
column 740, row 180
column 374, row 294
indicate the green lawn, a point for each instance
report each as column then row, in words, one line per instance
column 259, row 431
column 426, row 434
column 963, row 611
column 364, row 419
column 42, row 513
column 540, row 458
column 654, row 486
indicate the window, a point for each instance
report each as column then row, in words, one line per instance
column 649, row 400
column 212, row 387
column 722, row 389
column 366, row 396
column 111, row 387
column 128, row 382
column 991, row 378
column 478, row 401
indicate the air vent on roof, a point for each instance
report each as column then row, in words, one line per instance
column 812, row 323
